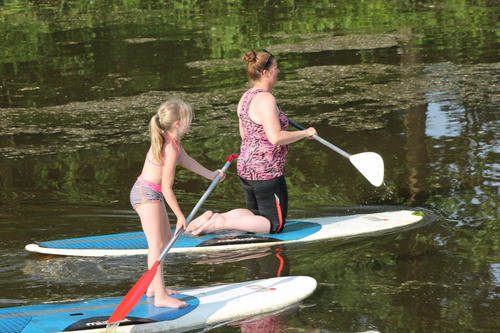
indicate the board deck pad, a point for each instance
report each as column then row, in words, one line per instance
column 295, row 231
column 137, row 240
column 209, row 305
column 17, row 319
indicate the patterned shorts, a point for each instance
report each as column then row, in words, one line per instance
column 143, row 194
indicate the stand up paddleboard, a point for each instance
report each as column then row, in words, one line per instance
column 207, row 306
column 295, row 231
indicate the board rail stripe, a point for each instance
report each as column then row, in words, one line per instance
column 18, row 313
column 54, row 311
column 90, row 240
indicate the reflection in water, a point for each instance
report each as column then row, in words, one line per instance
column 261, row 263
column 275, row 323
column 495, row 270
column 58, row 154
column 272, row 262
column 439, row 124
column 414, row 122
column 74, row 269
column 418, row 161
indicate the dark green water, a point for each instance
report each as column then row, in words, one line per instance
column 416, row 82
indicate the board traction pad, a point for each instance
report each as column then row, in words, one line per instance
column 13, row 320
column 137, row 240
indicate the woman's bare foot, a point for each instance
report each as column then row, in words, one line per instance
column 199, row 221
column 169, row 302
column 210, row 225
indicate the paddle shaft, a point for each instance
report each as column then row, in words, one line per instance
column 371, row 165
column 323, row 141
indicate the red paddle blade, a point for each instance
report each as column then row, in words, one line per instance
column 134, row 295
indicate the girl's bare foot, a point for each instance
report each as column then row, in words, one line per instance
column 169, row 302
column 199, row 221
column 150, row 292
column 172, row 292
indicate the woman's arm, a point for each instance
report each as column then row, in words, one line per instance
column 268, row 113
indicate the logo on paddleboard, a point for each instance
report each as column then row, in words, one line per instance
column 105, row 322
column 259, row 289
column 102, row 321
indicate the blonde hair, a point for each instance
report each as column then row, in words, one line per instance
column 257, row 62
column 162, row 122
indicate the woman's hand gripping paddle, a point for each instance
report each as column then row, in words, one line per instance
column 138, row 290
column 369, row 164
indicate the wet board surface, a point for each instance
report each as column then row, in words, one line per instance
column 207, row 306
column 306, row 230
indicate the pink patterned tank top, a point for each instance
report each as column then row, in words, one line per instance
column 259, row 159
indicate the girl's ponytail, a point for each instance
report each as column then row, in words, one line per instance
column 162, row 122
column 157, row 138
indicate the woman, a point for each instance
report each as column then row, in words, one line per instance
column 262, row 156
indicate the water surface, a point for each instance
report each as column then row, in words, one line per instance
column 417, row 83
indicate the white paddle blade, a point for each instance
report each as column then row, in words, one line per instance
column 371, row 165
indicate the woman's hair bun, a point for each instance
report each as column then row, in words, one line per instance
column 250, row 56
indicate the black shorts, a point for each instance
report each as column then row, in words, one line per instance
column 260, row 199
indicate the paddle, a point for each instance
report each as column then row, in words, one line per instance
column 138, row 290
column 369, row 164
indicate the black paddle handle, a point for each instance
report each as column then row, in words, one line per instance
column 294, row 124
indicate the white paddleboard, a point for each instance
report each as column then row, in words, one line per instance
column 207, row 306
column 306, row 230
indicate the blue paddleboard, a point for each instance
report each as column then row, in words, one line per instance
column 295, row 231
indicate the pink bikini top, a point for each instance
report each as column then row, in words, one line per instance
column 178, row 151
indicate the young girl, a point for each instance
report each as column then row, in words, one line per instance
column 155, row 183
